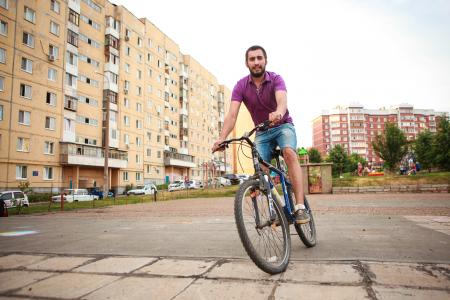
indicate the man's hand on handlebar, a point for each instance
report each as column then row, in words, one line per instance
column 217, row 146
column 275, row 117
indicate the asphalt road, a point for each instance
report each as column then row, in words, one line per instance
column 373, row 227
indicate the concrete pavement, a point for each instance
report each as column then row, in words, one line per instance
column 370, row 247
column 49, row 276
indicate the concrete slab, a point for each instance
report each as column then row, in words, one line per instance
column 13, row 298
column 320, row 292
column 384, row 293
column 115, row 265
column 19, row 260
column 217, row 289
column 11, row 280
column 414, row 275
column 322, row 272
column 133, row 288
column 240, row 270
column 178, row 267
column 60, row 263
column 67, row 286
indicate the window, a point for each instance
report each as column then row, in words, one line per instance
column 52, row 74
column 3, row 28
column 72, row 58
column 21, row 172
column 24, row 117
column 126, row 121
column 54, row 28
column 74, row 17
column 72, row 38
column 139, row 74
column 50, row 123
column 25, row 91
column 27, row 65
column 126, row 139
column 139, row 42
column 53, row 50
column 1, row 112
column 138, row 141
column 125, row 176
column 54, row 5
column 138, row 107
column 126, row 102
column 138, row 176
column 51, row 99
column 138, row 124
column 29, row 14
column 2, row 83
column 4, row 4
column 149, row 152
column 48, row 173
column 71, row 80
column 127, row 51
column 23, row 144
column 49, row 147
column 2, row 56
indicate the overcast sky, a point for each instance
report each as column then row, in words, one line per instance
column 334, row 52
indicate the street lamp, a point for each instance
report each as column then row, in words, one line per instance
column 106, row 151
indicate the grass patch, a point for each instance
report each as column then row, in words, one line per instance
column 392, row 179
column 45, row 207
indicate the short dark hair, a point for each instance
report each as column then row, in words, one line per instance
column 253, row 48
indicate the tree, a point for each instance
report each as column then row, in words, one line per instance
column 353, row 160
column 391, row 146
column 314, row 156
column 424, row 150
column 442, row 145
column 338, row 156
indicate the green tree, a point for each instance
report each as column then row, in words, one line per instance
column 314, row 156
column 352, row 162
column 424, row 150
column 391, row 146
column 338, row 156
column 442, row 145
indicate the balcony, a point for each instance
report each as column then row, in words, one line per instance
column 70, row 103
column 85, row 155
column 178, row 160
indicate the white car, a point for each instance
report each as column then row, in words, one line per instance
column 176, row 186
column 194, row 184
column 222, row 181
column 148, row 189
column 75, row 195
column 14, row 198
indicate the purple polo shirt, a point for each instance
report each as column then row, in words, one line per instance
column 260, row 103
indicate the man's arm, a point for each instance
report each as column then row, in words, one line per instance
column 281, row 98
column 228, row 124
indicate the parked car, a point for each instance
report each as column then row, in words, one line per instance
column 148, row 189
column 75, row 195
column 234, row 179
column 194, row 184
column 14, row 198
column 176, row 186
column 98, row 192
column 222, row 181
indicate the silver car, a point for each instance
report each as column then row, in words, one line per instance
column 14, row 198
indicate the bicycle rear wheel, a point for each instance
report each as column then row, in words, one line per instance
column 307, row 231
column 269, row 243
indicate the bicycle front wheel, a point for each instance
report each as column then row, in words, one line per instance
column 267, row 242
column 307, row 231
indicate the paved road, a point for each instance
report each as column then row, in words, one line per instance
column 378, row 246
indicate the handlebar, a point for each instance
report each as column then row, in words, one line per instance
column 260, row 127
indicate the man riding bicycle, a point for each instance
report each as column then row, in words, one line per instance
column 264, row 94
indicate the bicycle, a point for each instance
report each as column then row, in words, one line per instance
column 262, row 217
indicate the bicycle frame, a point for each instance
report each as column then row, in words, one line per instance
column 267, row 185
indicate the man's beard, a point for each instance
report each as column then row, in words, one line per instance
column 257, row 74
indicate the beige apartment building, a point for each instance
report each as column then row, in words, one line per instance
column 77, row 75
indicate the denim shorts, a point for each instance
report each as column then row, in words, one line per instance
column 283, row 136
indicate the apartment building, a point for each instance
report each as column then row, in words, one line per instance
column 78, row 75
column 355, row 127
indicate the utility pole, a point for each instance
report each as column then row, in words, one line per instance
column 106, row 106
